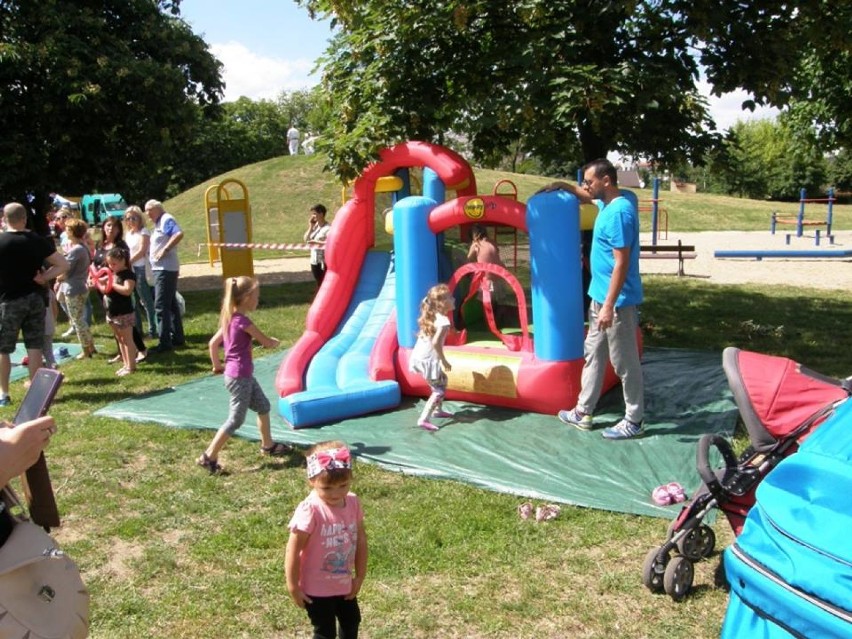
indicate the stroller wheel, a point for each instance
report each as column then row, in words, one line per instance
column 654, row 569
column 678, row 577
column 698, row 543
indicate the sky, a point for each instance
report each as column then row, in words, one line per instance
column 269, row 46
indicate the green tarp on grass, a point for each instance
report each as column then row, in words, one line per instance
column 525, row 454
column 20, row 371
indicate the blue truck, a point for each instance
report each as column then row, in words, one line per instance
column 96, row 208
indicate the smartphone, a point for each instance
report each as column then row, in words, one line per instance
column 37, row 488
column 39, row 396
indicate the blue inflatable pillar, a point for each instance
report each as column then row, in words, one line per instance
column 433, row 187
column 416, row 262
column 553, row 222
column 404, row 175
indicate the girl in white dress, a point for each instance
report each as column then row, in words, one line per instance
column 427, row 357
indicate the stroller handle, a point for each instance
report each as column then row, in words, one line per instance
column 702, row 461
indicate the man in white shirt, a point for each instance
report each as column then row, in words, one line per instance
column 165, row 265
column 293, row 139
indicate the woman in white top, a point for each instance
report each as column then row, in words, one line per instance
column 138, row 239
column 316, row 236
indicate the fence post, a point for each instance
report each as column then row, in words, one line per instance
column 655, row 209
column 801, row 218
column 828, row 219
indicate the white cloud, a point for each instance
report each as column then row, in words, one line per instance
column 727, row 109
column 257, row 77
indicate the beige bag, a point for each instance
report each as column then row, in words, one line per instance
column 42, row 595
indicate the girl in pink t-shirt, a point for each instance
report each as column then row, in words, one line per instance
column 327, row 542
column 236, row 332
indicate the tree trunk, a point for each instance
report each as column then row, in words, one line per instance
column 592, row 144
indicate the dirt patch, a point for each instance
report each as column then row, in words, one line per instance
column 200, row 276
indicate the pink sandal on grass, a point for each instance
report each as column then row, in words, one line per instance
column 525, row 510
column 661, row 496
column 676, row 492
column 668, row 494
column 547, row 512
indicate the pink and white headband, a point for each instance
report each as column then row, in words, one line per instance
column 331, row 459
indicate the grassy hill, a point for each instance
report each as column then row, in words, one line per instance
column 281, row 191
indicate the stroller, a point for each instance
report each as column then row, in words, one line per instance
column 780, row 403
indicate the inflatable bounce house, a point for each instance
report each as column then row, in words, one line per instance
column 353, row 356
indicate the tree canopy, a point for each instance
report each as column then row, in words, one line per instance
column 795, row 54
column 766, row 159
column 98, row 94
column 571, row 80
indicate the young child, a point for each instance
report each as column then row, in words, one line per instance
column 235, row 334
column 327, row 540
column 427, row 356
column 118, row 302
column 483, row 251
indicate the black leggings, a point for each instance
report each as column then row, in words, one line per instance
column 319, row 272
column 326, row 612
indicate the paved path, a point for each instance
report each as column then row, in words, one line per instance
column 828, row 273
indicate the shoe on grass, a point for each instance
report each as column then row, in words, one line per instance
column 625, row 429
column 212, row 466
column 575, row 418
column 5, row 401
column 276, row 450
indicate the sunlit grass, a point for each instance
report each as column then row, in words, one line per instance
column 169, row 551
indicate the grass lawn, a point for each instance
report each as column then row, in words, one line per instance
column 168, row 551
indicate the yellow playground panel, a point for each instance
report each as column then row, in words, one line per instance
column 229, row 235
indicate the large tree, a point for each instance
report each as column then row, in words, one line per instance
column 567, row 79
column 98, row 94
column 768, row 159
column 795, row 54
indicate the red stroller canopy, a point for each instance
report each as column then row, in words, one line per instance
column 777, row 396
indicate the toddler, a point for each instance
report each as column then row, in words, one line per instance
column 327, row 541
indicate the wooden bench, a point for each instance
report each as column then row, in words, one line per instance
column 679, row 252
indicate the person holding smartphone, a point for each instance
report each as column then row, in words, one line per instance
column 316, row 236
column 21, row 445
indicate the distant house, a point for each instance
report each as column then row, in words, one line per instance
column 680, row 186
column 630, row 179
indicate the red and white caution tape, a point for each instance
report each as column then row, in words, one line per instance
column 273, row 247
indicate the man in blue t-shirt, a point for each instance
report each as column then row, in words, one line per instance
column 616, row 292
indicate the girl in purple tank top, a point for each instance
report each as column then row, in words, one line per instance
column 235, row 335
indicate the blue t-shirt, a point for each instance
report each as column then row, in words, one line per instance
column 616, row 227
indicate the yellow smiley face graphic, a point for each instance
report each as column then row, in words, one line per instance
column 474, row 208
